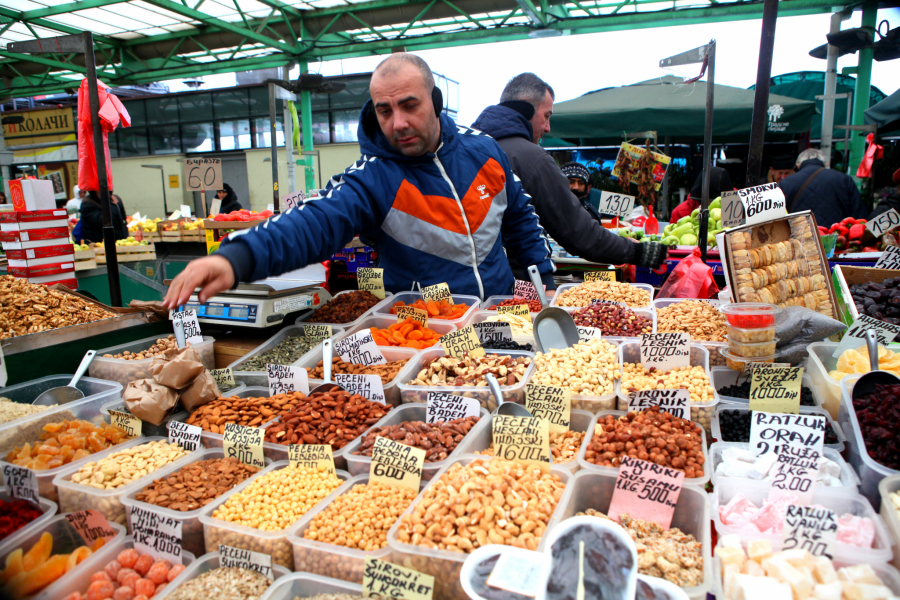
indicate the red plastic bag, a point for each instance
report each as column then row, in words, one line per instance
column 873, row 151
column 112, row 112
column 691, row 278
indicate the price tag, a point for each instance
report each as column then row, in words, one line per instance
column 443, row 406
column 91, row 526
column 22, row 482
column 809, row 528
column 675, row 402
column 597, row 301
column 457, row 343
column 514, row 309
column 520, row 573
column 186, row 436
column 523, row 439
column 382, row 579
column 797, row 468
column 244, row 444
column 317, row 333
column 732, row 210
column 156, row 535
column 589, row 333
column 886, row 221
column 550, row 403
column 215, row 207
column 647, row 491
column 186, row 211
column 202, row 174
column 599, row 276
column 371, row 280
column 770, row 431
column 436, row 292
column 493, row 331
column 188, row 318
column 890, row 258
column 776, row 390
column 359, row 349
column 411, row 312
column 396, row 464
column 368, row 386
column 312, row 456
column 293, row 200
column 762, row 203
column 665, row 351
column 525, row 290
column 284, row 379
column 124, row 420
column 749, row 367
column 224, row 378
column 855, row 336
column 612, row 203
column 236, row 558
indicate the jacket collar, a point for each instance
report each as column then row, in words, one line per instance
column 501, row 122
column 372, row 141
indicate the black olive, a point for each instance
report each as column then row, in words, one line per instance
column 874, row 295
column 868, row 302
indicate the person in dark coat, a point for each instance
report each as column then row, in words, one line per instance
column 719, row 181
column 830, row 194
column 890, row 201
column 229, row 200
column 92, row 219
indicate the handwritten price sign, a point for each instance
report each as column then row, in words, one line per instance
column 886, row 221
column 647, row 491
column 612, row 203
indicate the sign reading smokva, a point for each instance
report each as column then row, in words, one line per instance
column 37, row 122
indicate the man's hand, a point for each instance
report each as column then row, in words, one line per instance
column 212, row 274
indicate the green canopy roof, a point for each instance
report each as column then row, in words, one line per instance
column 885, row 114
column 669, row 107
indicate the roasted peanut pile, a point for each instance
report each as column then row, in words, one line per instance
column 10, row 411
column 250, row 412
column 700, row 319
column 122, row 467
column 589, row 368
column 581, row 295
column 386, row 371
column 636, row 378
column 564, row 446
column 223, row 584
column 278, row 498
column 437, row 439
column 361, row 517
column 612, row 319
column 30, row 308
column 490, row 501
column 197, row 484
column 161, row 345
column 470, row 370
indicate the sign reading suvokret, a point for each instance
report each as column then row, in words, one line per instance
column 675, row 402
column 236, row 558
column 360, row 349
column 665, row 351
column 444, row 406
column 647, row 491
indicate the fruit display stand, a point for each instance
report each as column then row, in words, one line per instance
column 85, row 259
column 170, row 231
column 128, row 253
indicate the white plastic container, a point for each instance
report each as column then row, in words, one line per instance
column 493, row 300
column 47, row 507
column 205, row 563
column 383, row 322
column 27, row 392
column 483, row 315
column 306, row 585
column 647, row 313
column 568, row 286
column 384, row 307
column 723, row 376
column 215, row 440
column 125, row 371
column 820, row 363
column 715, row 358
column 806, row 410
column 889, row 513
column 306, row 318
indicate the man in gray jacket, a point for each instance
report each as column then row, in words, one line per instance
column 518, row 123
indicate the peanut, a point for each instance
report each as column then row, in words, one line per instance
column 700, row 319
column 581, row 295
column 122, row 467
column 588, row 368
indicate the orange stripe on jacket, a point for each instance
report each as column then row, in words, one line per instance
column 489, row 182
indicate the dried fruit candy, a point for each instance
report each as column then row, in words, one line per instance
column 27, row 573
column 65, row 442
column 879, row 418
column 119, row 581
column 16, row 514
column 443, row 309
column 407, row 334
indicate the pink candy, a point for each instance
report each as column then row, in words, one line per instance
column 856, row 531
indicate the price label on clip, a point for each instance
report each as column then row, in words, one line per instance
column 551, row 403
column 122, row 418
column 458, row 343
column 646, row 491
column 396, row 464
column 883, row 223
column 372, row 280
column 523, row 439
column 359, row 349
column 245, row 444
column 665, row 351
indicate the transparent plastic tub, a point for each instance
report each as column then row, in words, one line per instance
column 204, row 564
column 739, row 363
column 148, row 428
column 588, row 402
column 491, row 301
column 483, row 315
column 383, row 322
column 750, row 315
column 568, row 286
column 445, row 565
column 721, row 377
column 751, row 336
column 747, row 350
column 848, row 476
column 890, row 515
column 305, row 318
column 840, row 503
column 820, row 364
column 479, row 441
column 647, row 313
column 589, row 466
column 715, row 359
column 360, row 465
column 125, row 371
column 27, row 393
column 191, row 528
column 47, row 507
column 75, row 496
column 804, row 410
column 273, row 543
column 418, row 393
column 592, row 489
column 306, row 585
column 65, row 540
column 384, row 307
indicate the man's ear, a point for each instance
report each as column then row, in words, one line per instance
column 437, row 98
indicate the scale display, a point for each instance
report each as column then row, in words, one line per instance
column 239, row 313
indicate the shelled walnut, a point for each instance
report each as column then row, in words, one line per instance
column 30, row 308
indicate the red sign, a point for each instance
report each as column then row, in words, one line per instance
column 646, row 491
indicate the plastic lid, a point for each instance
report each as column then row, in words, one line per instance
column 750, row 315
column 740, row 343
column 769, row 358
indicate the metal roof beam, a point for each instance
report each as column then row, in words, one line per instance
column 42, row 60
column 532, row 12
column 69, row 7
column 17, row 16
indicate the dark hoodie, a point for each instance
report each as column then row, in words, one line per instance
column 561, row 213
column 230, row 202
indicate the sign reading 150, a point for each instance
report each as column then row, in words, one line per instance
column 203, row 173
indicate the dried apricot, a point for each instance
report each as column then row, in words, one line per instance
column 124, row 593
column 112, row 569
column 101, row 590
column 145, row 587
column 128, row 557
column 143, row 564
column 158, row 573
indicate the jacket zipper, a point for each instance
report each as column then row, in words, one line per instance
column 437, row 161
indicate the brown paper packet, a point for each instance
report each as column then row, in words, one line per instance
column 149, row 401
column 176, row 368
column 202, row 391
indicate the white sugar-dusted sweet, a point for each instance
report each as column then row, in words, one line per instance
column 823, row 570
column 738, row 454
column 730, row 581
column 864, row 591
column 796, row 556
column 753, row 568
column 782, row 570
column 828, row 591
column 759, row 549
column 730, row 555
column 732, row 540
column 859, row 574
column 762, row 588
column 829, row 468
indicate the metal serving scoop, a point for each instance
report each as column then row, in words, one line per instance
column 865, row 385
column 327, row 384
column 508, row 409
column 67, row 393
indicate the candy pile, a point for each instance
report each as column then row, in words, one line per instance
column 130, row 576
column 743, row 464
column 27, row 573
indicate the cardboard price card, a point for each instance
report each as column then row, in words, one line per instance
column 368, row 386
column 886, row 221
column 647, row 491
column 855, row 336
column 235, row 558
column 612, row 203
column 359, row 349
column 550, row 403
column 371, row 280
column 224, row 378
column 520, row 573
column 749, row 367
column 523, row 439
column 589, row 333
column 436, row 292
column 414, row 313
column 458, row 343
column 317, row 333
column 732, row 210
column 813, row 529
column 762, row 203
column 889, row 259
column 665, row 351
column 122, row 418
column 675, row 402
column 244, row 444
column 599, row 276
column 493, row 331
column 396, row 464
column 382, row 579
column 312, row 456
column 768, row 432
column 186, row 436
column 91, row 526
column 444, row 406
column 598, row 301
column 776, row 390
column 515, row 309
column 293, row 200
column 156, row 535
column 284, row 379
column 191, row 325
column 796, row 474
column 525, row 290
column 21, row 482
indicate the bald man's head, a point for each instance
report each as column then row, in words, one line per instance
column 401, row 92
column 395, row 62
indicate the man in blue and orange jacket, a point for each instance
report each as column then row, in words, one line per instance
column 438, row 203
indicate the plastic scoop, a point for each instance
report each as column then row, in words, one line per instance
column 327, row 384
column 651, row 225
column 67, row 393
column 538, row 284
column 508, row 409
column 554, row 328
column 865, row 385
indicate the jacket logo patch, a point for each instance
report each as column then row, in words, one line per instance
column 480, row 189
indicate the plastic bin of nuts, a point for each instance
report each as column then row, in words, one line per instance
column 699, row 318
column 352, row 317
column 48, row 509
column 613, row 327
column 272, row 542
column 384, row 307
column 360, row 465
column 445, row 565
column 600, row 374
column 206, row 563
column 124, row 371
column 108, row 502
column 306, row 585
column 571, row 296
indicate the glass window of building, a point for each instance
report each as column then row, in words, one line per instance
column 198, row 137
column 234, row 135
column 165, row 139
column 346, row 123
column 194, row 107
column 262, row 135
column 132, row 141
column 162, row 110
column 136, row 111
column 231, row 104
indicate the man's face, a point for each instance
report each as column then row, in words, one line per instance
column 221, row 194
column 540, row 122
column 779, row 174
column 405, row 110
column 82, row 193
column 579, row 187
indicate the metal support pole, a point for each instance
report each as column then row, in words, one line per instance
column 109, row 234
column 306, row 131
column 761, row 96
column 274, row 146
column 831, row 88
column 863, row 86
column 707, row 148
column 4, row 169
column 664, row 199
column 289, row 137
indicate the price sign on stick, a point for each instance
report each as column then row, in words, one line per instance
column 889, row 259
column 665, row 351
column 855, row 336
column 612, row 203
column 732, row 210
column 443, row 406
column 809, row 528
column 522, row 439
column 360, row 349
column 762, row 203
column 493, row 331
column 191, row 325
column 457, row 343
column 675, row 402
column 776, row 390
column 312, row 456
column 552, row 403
column 284, row 379
column 201, row 174
column 367, row 386
column 525, row 290
column 886, row 221
column 236, row 558
column 382, row 579
column 21, row 482
column 371, row 280
column 396, row 464
column 647, row 491
column 156, row 535
column 245, row 444
column 186, row 436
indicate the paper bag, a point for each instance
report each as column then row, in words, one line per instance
column 149, row 401
column 202, row 391
column 176, row 368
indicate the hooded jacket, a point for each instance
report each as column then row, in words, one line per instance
column 561, row 213
column 229, row 203
column 92, row 219
column 439, row 217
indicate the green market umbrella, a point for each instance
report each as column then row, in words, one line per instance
column 885, row 114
